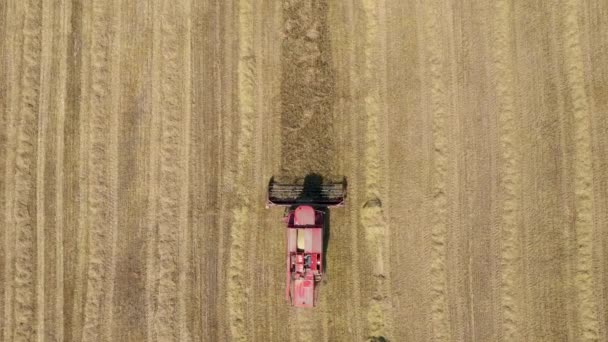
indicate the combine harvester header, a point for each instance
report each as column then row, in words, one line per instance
column 308, row 201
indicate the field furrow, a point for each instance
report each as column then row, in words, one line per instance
column 510, row 179
column 584, row 227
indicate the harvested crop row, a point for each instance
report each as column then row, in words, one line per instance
column 439, row 173
column 511, row 184
column 373, row 214
column 24, row 201
column 102, row 175
column 168, row 247
column 241, row 218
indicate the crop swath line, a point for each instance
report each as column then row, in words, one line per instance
column 438, row 97
column 583, row 176
column 169, row 185
column 242, row 216
column 24, row 206
column 169, row 164
column 101, row 177
column 510, row 180
column 11, row 114
column 373, row 215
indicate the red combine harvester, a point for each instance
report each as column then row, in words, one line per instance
column 306, row 218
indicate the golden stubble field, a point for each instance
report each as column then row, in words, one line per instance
column 137, row 139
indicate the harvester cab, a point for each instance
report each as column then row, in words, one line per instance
column 307, row 202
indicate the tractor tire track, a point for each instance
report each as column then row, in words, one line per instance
column 24, row 205
column 241, row 214
column 102, row 174
column 588, row 319
column 510, row 180
column 373, row 214
column 439, row 177
column 171, row 112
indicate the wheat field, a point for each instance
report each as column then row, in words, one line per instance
column 137, row 139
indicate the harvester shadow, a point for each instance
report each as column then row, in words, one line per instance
column 378, row 339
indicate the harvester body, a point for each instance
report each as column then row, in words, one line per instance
column 304, row 254
column 306, row 218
